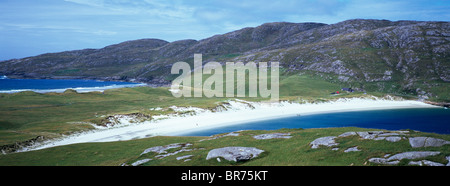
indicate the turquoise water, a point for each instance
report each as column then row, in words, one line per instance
column 436, row 120
column 59, row 85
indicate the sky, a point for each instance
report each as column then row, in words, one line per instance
column 33, row 27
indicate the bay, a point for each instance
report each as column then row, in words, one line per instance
column 435, row 120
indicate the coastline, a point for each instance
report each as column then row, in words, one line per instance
column 237, row 112
column 77, row 88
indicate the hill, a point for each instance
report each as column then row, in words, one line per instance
column 408, row 58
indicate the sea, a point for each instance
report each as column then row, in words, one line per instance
column 434, row 120
column 59, row 85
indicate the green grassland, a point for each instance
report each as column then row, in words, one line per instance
column 26, row 115
column 295, row 151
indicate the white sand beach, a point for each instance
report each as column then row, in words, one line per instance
column 237, row 112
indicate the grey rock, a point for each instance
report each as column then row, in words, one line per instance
column 352, row 149
column 425, row 162
column 388, row 134
column 235, row 153
column 140, row 162
column 383, row 161
column 369, row 135
column 413, row 155
column 346, row 134
column 415, row 163
column 434, row 142
column 184, row 149
column 381, row 135
column 376, row 132
column 448, row 159
column 395, row 159
column 273, row 135
column 325, row 141
column 184, row 157
column 231, row 134
column 161, row 149
column 221, row 136
column 416, row 142
column 393, row 138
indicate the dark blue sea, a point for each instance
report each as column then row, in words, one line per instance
column 435, row 120
column 56, row 85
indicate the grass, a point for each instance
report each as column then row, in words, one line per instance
column 25, row 115
column 295, row 151
column 28, row 114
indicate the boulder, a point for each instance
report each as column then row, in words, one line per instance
column 235, row 153
column 413, row 155
column 352, row 149
column 325, row 141
column 434, row 142
column 416, row 142
column 370, row 134
column 383, row 161
column 393, row 138
column 140, row 162
column 425, row 162
column 395, row 159
column 379, row 135
column 389, row 134
column 273, row 135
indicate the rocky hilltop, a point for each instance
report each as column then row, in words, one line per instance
column 404, row 57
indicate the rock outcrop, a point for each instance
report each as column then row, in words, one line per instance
column 352, row 149
column 369, row 53
column 5, row 149
column 235, row 154
column 427, row 142
column 415, row 142
column 324, row 141
column 329, row 141
column 395, row 159
column 161, row 152
column 273, row 135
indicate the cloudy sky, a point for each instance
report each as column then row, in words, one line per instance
column 32, row 27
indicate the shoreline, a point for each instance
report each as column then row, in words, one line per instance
column 78, row 89
column 237, row 112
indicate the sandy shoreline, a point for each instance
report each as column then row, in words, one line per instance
column 237, row 112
